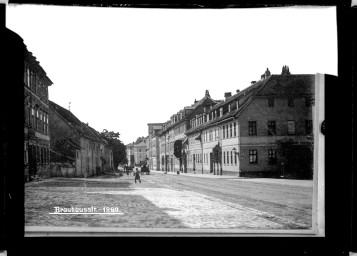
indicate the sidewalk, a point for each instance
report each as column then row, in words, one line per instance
column 300, row 183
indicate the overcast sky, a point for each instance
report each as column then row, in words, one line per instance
column 122, row 68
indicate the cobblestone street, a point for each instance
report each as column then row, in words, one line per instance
column 157, row 202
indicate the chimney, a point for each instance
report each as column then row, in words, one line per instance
column 267, row 73
column 207, row 93
column 195, row 101
column 253, row 82
column 227, row 95
column 237, row 90
column 285, row 70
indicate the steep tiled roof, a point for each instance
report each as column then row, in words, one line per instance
column 244, row 96
column 273, row 85
column 73, row 121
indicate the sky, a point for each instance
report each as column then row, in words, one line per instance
column 122, row 68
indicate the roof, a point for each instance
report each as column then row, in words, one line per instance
column 193, row 107
column 273, row 85
column 141, row 144
column 74, row 122
column 31, row 60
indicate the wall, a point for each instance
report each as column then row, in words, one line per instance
column 259, row 111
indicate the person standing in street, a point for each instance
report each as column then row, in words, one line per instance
column 137, row 175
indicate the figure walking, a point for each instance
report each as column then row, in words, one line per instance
column 137, row 175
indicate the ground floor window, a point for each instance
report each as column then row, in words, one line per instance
column 253, row 156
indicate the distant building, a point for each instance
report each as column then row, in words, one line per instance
column 130, row 154
column 78, row 144
column 140, row 153
column 155, row 130
column 36, row 123
column 173, row 133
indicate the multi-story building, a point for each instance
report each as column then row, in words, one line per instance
column 78, row 144
column 239, row 135
column 36, row 123
column 153, row 155
column 140, row 153
column 173, row 138
column 247, row 126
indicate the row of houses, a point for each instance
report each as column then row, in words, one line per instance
column 237, row 135
column 56, row 142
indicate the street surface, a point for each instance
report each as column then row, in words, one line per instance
column 170, row 201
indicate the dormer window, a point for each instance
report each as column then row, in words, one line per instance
column 215, row 114
column 237, row 104
column 229, row 108
column 207, row 118
column 221, row 112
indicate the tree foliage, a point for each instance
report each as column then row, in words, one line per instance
column 217, row 154
column 298, row 158
column 140, row 139
column 119, row 149
column 178, row 149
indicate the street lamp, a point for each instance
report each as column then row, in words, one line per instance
column 235, row 151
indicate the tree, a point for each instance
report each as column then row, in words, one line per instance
column 217, row 156
column 119, row 149
column 298, row 157
column 140, row 139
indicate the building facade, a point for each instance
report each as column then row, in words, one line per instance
column 140, row 154
column 36, row 123
column 78, row 144
column 239, row 135
column 153, row 146
column 173, row 140
column 247, row 126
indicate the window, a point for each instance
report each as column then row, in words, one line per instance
column 224, row 157
column 291, row 102
column 291, row 127
column 272, row 156
column 252, row 127
column 271, row 102
column 230, row 130
column 235, row 159
column 253, row 156
column 308, row 127
column 224, row 132
column 235, row 131
column 227, row 157
column 271, row 128
column 231, row 157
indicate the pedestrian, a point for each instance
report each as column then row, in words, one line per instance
column 137, row 175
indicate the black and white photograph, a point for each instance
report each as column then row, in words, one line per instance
column 174, row 121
